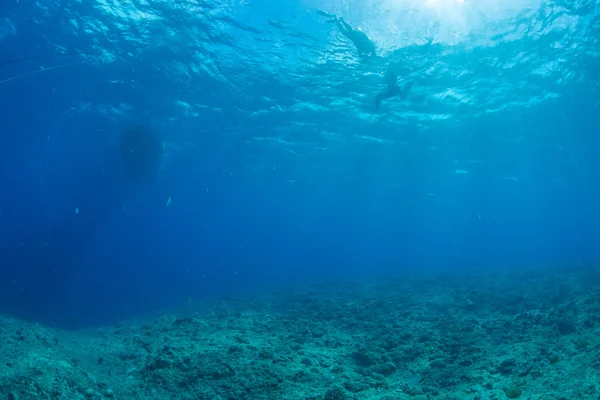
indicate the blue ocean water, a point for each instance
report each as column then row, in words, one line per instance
column 277, row 168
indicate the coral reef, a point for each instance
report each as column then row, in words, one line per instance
column 523, row 334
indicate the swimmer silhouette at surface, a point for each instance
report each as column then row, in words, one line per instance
column 407, row 62
column 367, row 51
column 364, row 46
column 392, row 88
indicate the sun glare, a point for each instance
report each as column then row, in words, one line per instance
column 442, row 3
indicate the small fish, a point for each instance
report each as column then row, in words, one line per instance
column 168, row 202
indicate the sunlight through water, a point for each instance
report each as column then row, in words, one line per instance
column 448, row 21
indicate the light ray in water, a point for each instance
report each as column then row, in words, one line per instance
column 30, row 58
column 42, row 69
column 37, row 71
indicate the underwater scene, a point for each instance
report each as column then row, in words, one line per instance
column 299, row 200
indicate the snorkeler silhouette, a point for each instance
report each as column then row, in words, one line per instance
column 366, row 49
column 392, row 88
column 364, row 45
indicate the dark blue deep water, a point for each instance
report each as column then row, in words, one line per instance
column 275, row 166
